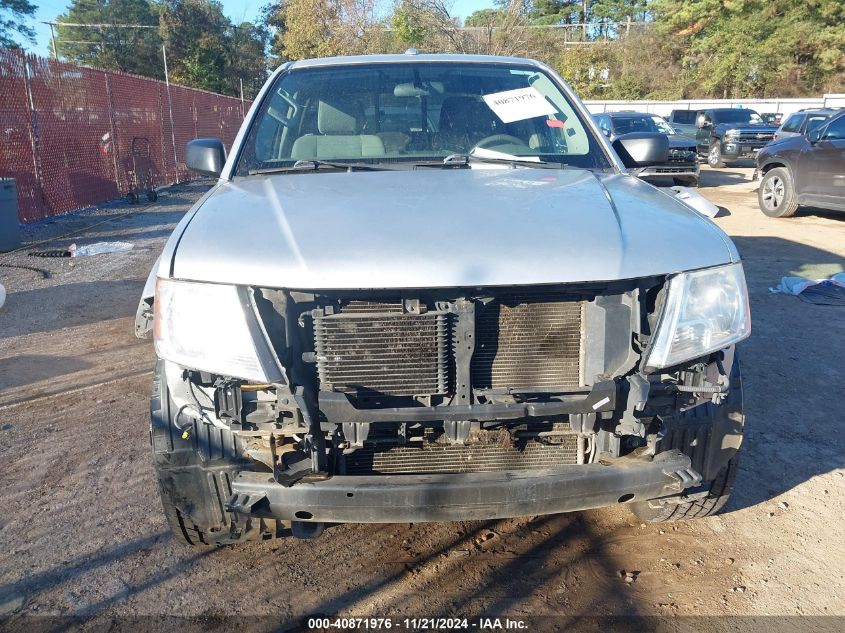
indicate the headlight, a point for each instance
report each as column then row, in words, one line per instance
column 704, row 311
column 211, row 328
column 732, row 134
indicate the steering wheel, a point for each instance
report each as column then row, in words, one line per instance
column 499, row 139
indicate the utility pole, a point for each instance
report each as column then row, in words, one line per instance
column 53, row 41
column 584, row 4
column 243, row 113
column 170, row 111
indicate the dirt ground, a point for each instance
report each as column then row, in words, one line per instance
column 82, row 534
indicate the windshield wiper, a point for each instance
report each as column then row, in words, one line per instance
column 314, row 165
column 463, row 160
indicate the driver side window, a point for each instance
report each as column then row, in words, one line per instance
column 836, row 130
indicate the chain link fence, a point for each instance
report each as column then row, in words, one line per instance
column 75, row 136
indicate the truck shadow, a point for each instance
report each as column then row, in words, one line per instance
column 69, row 304
column 29, row 368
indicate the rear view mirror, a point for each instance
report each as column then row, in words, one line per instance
column 205, row 156
column 641, row 149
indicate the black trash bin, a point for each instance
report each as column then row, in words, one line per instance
column 10, row 228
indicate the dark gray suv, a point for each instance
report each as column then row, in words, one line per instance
column 804, row 171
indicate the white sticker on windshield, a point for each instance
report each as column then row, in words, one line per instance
column 519, row 104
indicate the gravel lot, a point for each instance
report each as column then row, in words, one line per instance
column 83, row 535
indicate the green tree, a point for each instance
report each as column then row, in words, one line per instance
column 555, row 11
column 12, row 12
column 205, row 50
column 485, row 18
column 131, row 50
column 320, row 28
column 411, row 25
column 747, row 48
column 248, row 57
column 195, row 34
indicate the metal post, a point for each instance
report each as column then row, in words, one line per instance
column 33, row 135
column 115, row 144
column 243, row 114
column 53, row 41
column 170, row 110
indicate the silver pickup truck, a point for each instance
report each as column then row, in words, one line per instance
column 425, row 288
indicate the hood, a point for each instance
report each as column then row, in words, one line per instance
column 441, row 228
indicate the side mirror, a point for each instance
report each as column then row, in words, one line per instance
column 702, row 121
column 205, row 156
column 641, row 149
column 606, row 132
column 815, row 136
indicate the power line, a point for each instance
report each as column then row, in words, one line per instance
column 102, row 26
column 54, row 23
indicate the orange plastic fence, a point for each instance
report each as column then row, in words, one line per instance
column 67, row 131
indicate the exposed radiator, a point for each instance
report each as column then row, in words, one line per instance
column 382, row 353
column 456, row 458
column 525, row 343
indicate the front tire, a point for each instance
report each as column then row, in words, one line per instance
column 718, row 495
column 714, row 155
column 776, row 194
column 693, row 434
column 195, row 476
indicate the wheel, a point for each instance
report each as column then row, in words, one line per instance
column 152, row 195
column 776, row 195
column 195, row 476
column 714, row 156
column 718, row 495
column 697, row 429
column 132, row 197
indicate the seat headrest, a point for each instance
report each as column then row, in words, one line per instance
column 465, row 115
column 340, row 117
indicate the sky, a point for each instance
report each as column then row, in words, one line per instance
column 236, row 10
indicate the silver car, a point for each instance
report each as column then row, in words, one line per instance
column 425, row 288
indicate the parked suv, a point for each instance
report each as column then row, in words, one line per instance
column 471, row 311
column 682, row 164
column 804, row 122
column 726, row 134
column 804, row 170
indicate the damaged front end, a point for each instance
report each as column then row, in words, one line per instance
column 448, row 404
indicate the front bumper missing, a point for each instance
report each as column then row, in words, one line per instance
column 469, row 496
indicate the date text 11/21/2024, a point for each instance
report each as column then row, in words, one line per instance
column 418, row 624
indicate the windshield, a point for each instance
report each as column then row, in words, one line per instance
column 737, row 116
column 415, row 113
column 641, row 123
